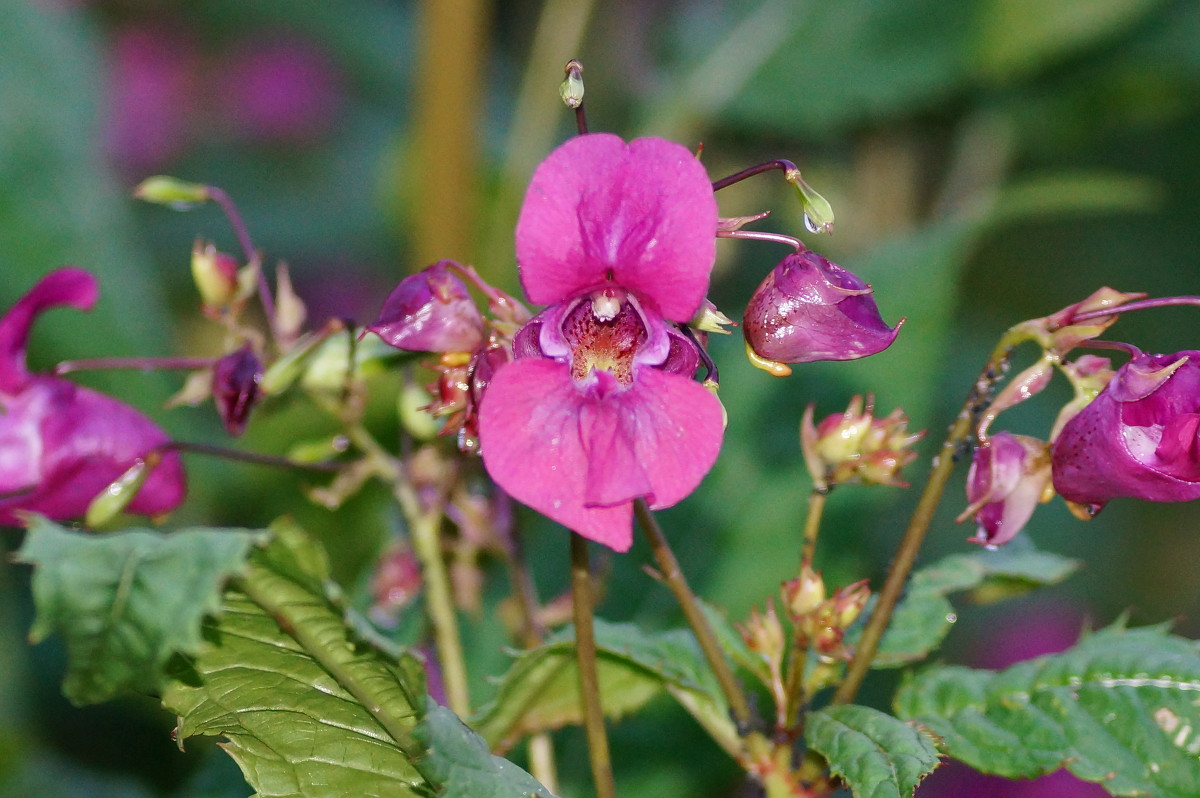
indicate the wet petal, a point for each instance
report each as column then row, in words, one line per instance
column 581, row 459
column 641, row 213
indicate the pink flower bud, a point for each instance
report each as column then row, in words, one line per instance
column 431, row 311
column 235, row 386
column 1007, row 480
column 809, row 309
column 1139, row 437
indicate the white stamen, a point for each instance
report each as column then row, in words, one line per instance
column 605, row 306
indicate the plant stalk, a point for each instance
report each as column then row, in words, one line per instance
column 673, row 576
column 918, row 525
column 589, row 682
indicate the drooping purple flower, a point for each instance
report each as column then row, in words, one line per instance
column 430, row 311
column 1007, row 480
column 1139, row 437
column 599, row 407
column 60, row 444
column 236, row 379
column 809, row 309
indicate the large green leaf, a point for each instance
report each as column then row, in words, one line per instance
column 1120, row 708
column 541, row 690
column 124, row 603
column 925, row 615
column 311, row 709
column 245, row 636
column 876, row 755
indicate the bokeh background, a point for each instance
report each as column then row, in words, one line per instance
column 988, row 160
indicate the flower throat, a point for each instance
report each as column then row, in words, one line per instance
column 604, row 332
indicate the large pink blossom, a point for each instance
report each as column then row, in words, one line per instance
column 600, row 407
column 60, row 444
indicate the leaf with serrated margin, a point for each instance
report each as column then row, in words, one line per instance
column 876, row 755
column 125, row 602
column 541, row 689
column 925, row 616
column 1121, row 708
column 460, row 760
column 308, row 707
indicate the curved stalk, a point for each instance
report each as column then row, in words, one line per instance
column 918, row 525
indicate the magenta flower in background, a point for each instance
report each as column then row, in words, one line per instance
column 60, row 444
column 1139, row 437
column 808, row 309
column 599, row 407
column 281, row 89
column 1007, row 480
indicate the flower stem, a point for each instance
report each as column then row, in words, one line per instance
column 918, row 525
column 812, row 526
column 585, row 656
column 673, row 576
column 798, row 662
column 774, row 238
column 219, row 196
column 1144, row 304
column 251, row 457
column 424, row 525
column 134, row 364
column 780, row 164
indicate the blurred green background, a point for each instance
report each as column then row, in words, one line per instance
column 988, row 160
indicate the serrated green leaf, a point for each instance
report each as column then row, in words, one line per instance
column 1120, row 708
column 125, row 602
column 459, row 759
column 925, row 615
column 876, row 755
column 541, row 690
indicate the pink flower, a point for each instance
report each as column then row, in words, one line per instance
column 60, row 444
column 430, row 311
column 1008, row 478
column 808, row 309
column 600, row 408
column 1139, row 437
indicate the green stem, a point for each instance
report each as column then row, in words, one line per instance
column 424, row 526
column 589, row 682
column 673, row 576
column 798, row 662
column 812, row 526
column 918, row 525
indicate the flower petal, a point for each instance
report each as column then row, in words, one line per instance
column 641, row 213
column 69, row 286
column 581, row 459
column 75, row 443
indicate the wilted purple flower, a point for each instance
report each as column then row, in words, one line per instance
column 1007, row 480
column 235, row 387
column 60, row 444
column 430, row 311
column 809, row 309
column 1139, row 437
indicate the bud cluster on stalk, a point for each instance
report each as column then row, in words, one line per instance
column 856, row 446
column 803, row 650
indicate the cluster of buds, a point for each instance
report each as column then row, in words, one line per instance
column 821, row 621
column 816, row 623
column 1129, row 432
column 855, row 446
column 433, row 311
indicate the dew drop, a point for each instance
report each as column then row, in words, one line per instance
column 951, row 617
column 810, row 225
